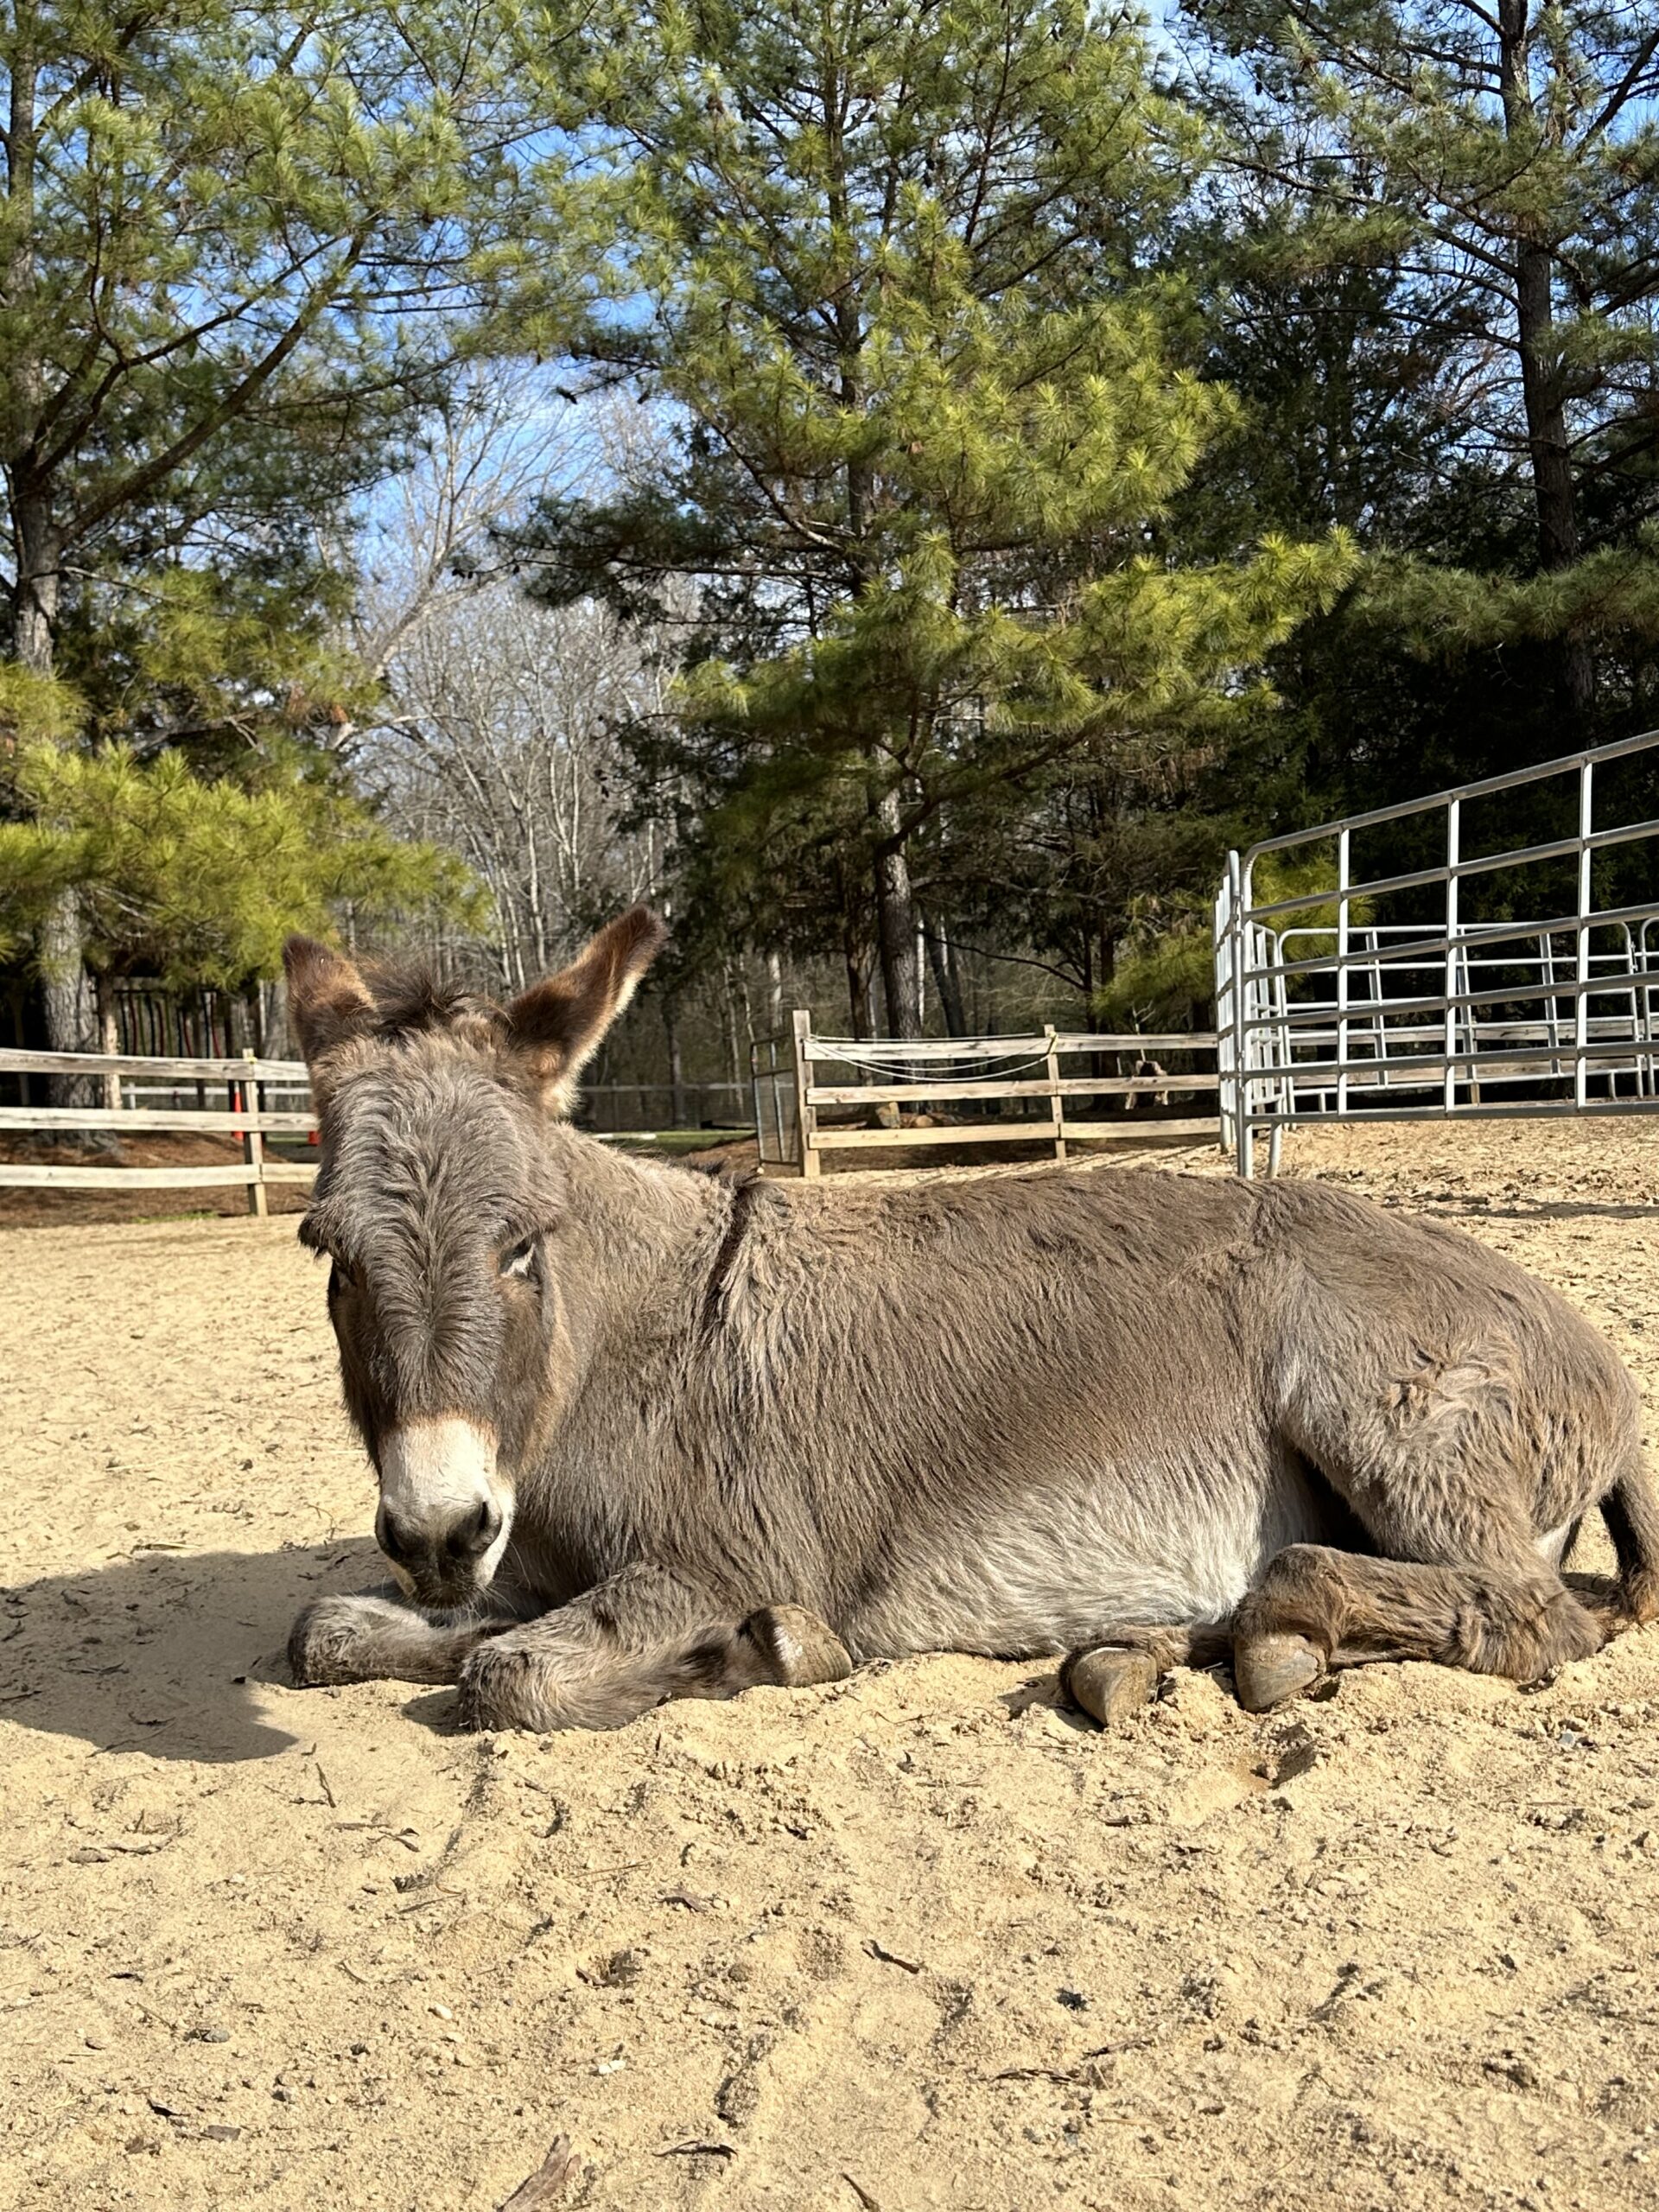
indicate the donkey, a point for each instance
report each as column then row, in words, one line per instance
column 641, row 1433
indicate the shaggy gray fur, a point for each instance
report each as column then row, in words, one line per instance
column 737, row 1429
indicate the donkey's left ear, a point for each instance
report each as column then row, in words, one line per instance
column 559, row 1024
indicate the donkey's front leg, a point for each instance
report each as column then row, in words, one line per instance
column 633, row 1641
column 379, row 1634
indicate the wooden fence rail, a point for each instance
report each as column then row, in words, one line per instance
column 243, row 1116
column 894, row 1076
column 292, row 1073
column 894, row 1071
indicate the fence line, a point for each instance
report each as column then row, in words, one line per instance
column 157, row 1095
column 986, row 1071
column 243, row 1114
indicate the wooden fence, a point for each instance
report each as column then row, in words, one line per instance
column 967, row 1072
column 142, row 1093
column 1019, row 1070
column 244, row 1115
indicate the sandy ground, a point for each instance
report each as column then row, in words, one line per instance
column 917, row 1941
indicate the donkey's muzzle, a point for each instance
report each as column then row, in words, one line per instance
column 445, row 1563
column 444, row 1512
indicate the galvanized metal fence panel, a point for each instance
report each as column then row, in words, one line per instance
column 1330, row 1006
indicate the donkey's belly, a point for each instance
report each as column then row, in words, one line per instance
column 1065, row 1570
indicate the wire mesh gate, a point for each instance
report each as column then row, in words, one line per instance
column 1512, row 970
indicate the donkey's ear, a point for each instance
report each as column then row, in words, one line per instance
column 558, row 1024
column 327, row 1000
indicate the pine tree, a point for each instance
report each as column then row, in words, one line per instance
column 234, row 244
column 1507, row 156
column 198, row 880
column 890, row 269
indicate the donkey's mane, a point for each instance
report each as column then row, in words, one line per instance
column 412, row 1001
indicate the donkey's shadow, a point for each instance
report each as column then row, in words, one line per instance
column 163, row 1652
column 175, row 1655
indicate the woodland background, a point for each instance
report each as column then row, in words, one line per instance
column 902, row 486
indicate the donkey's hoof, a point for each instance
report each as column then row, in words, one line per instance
column 506, row 1683
column 1270, row 1669
column 1110, row 1684
column 798, row 1647
column 329, row 1641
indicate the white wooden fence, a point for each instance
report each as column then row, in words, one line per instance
column 142, row 1095
column 129, row 1078
column 970, row 1071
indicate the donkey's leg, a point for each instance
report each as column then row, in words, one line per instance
column 1111, row 1680
column 1316, row 1608
column 379, row 1634
column 1464, row 1418
column 633, row 1643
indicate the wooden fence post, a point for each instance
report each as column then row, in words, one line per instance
column 109, row 1040
column 253, row 1145
column 1056, row 1104
column 806, row 1114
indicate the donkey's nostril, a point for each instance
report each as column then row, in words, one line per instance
column 479, row 1531
column 394, row 1540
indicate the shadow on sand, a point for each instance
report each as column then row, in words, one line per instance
column 163, row 1652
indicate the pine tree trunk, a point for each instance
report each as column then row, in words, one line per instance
column 1546, row 411
column 941, row 958
column 852, row 958
column 66, row 990
column 1543, row 384
column 1105, row 967
column 109, row 1037
column 895, row 920
column 856, row 993
column 37, row 549
column 67, row 996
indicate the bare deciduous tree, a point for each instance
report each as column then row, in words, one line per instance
column 500, row 748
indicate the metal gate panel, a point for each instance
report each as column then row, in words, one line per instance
column 1329, row 1004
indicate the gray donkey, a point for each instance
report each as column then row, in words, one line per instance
column 641, row 1433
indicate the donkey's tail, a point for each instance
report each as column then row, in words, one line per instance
column 1631, row 1509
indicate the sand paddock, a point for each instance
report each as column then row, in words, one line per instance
column 917, row 1941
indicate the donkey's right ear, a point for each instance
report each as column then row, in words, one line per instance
column 327, row 1000
column 558, row 1025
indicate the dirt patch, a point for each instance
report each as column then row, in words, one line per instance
column 917, row 1941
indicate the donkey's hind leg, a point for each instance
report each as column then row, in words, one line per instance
column 1316, row 1608
column 1465, row 1417
column 379, row 1635
column 1111, row 1680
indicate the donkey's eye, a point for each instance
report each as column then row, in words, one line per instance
column 519, row 1259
